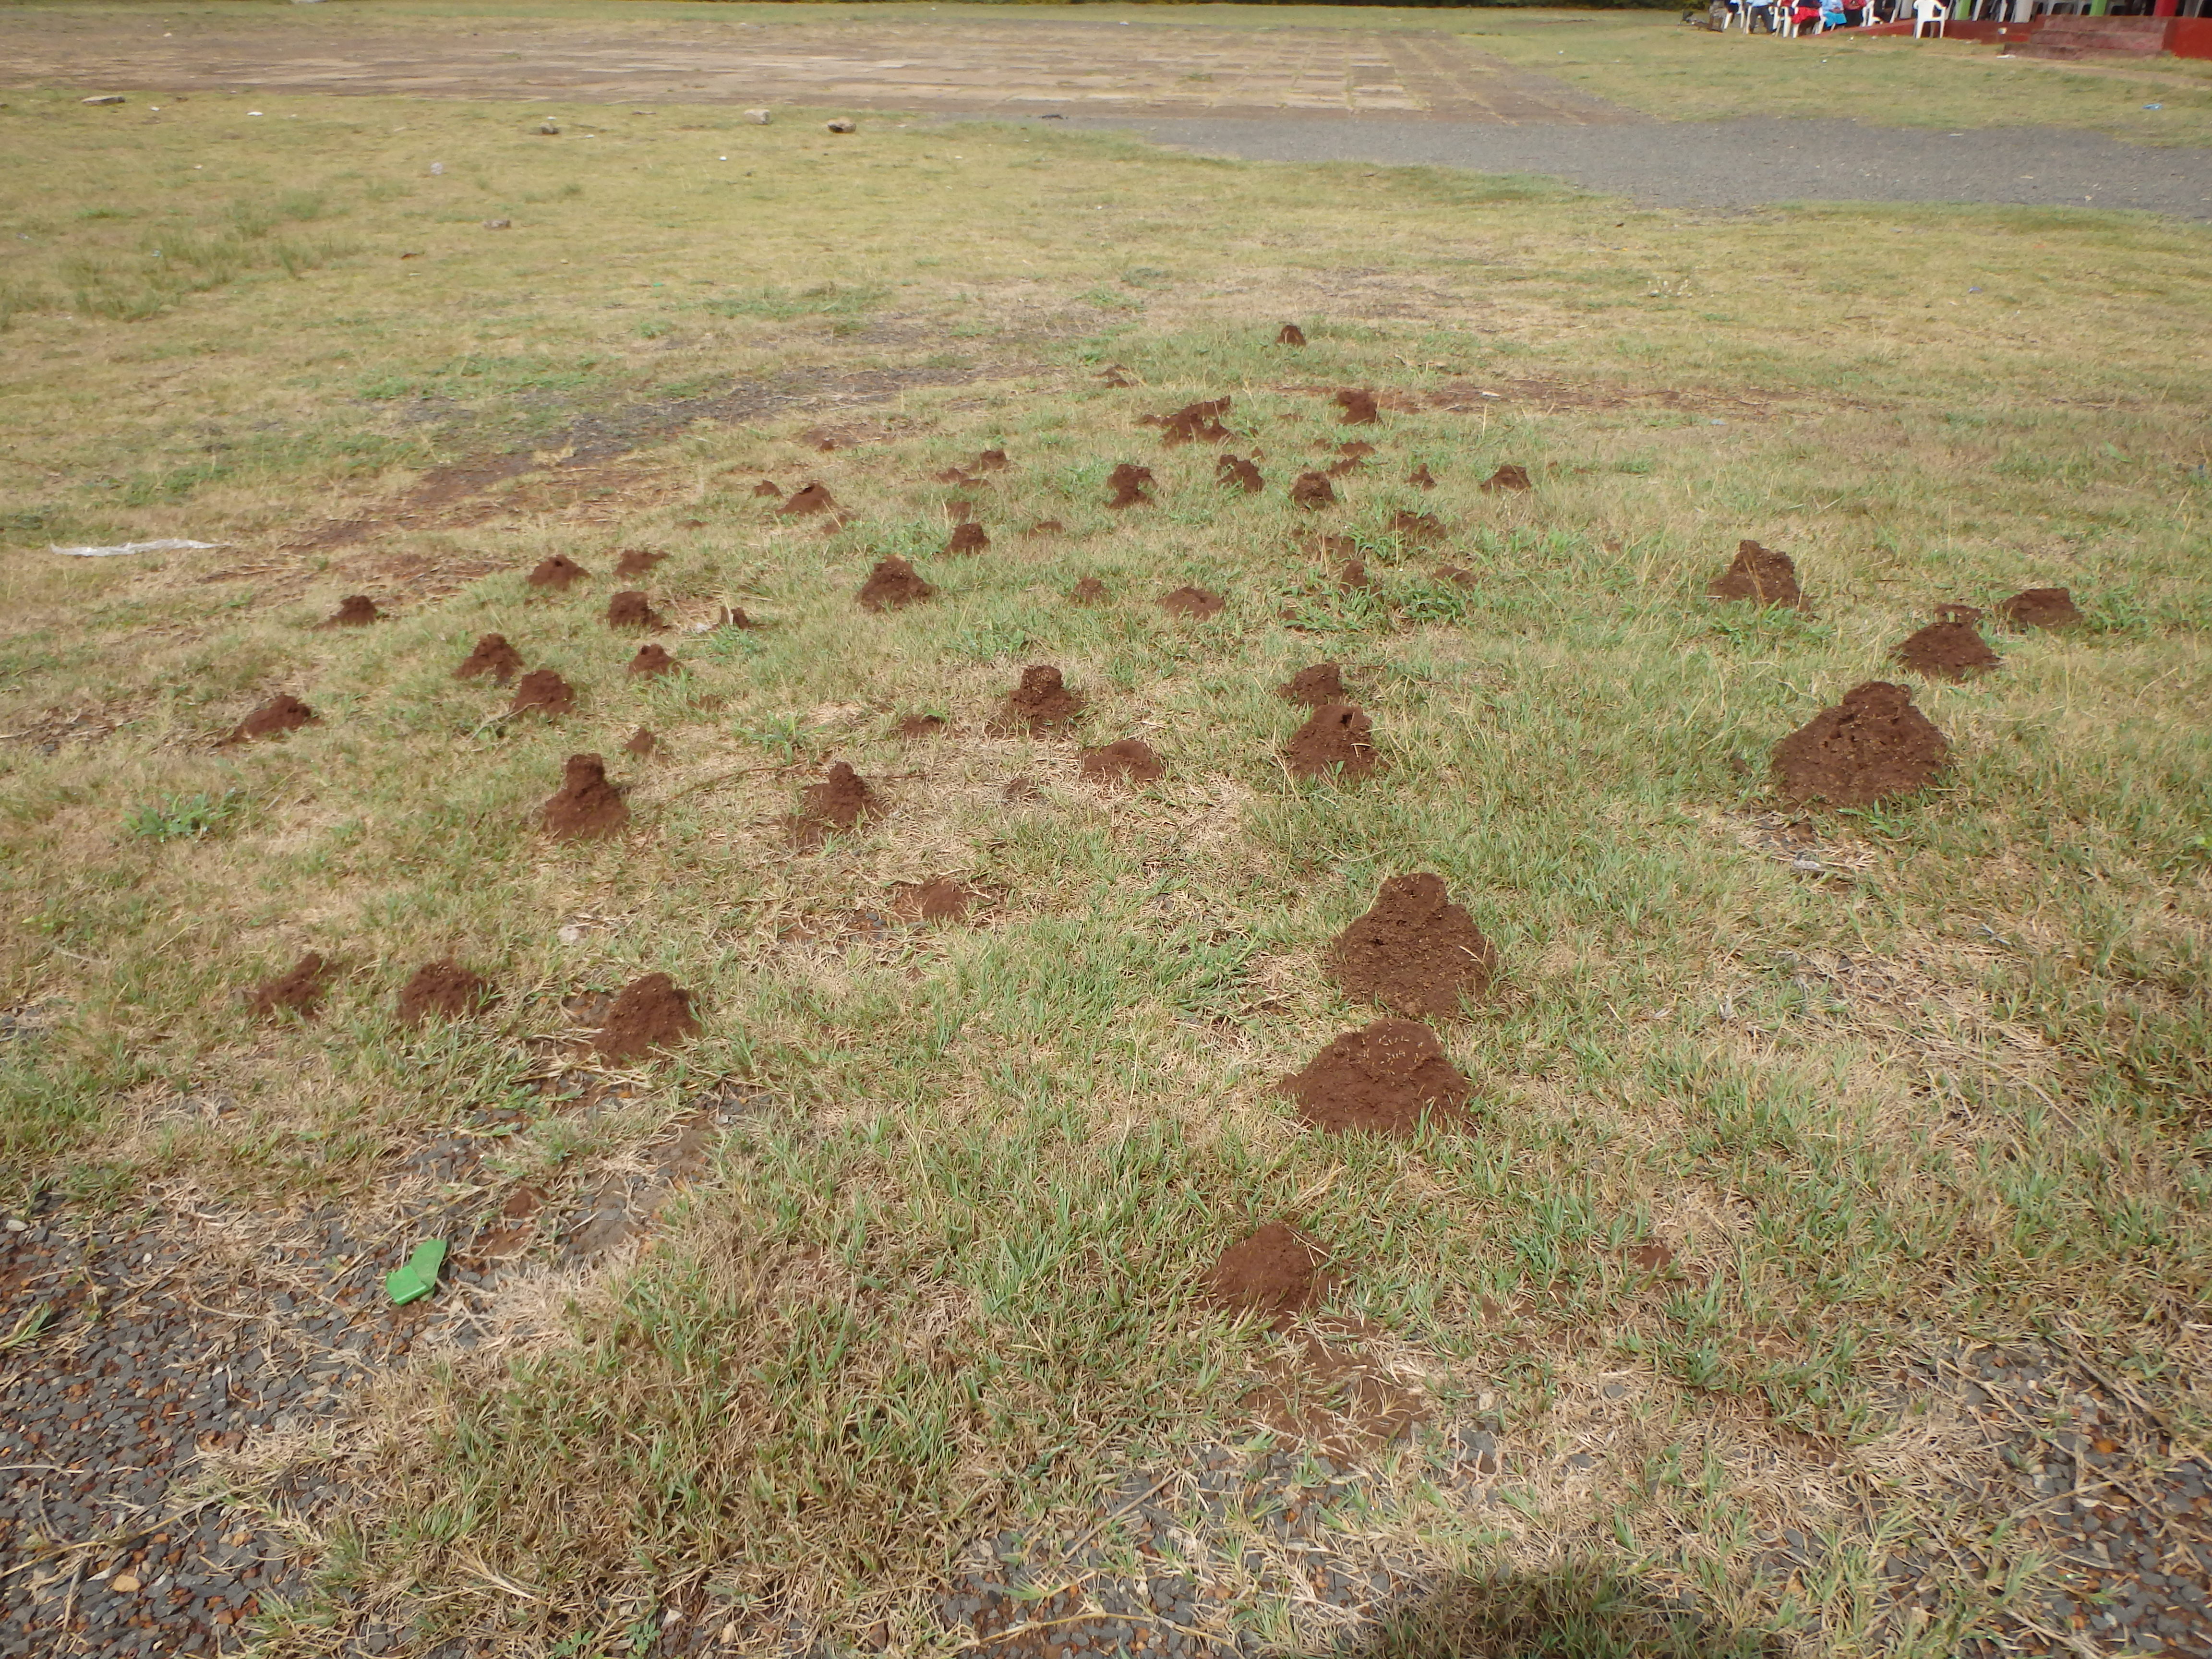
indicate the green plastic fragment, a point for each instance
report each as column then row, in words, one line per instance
column 419, row 1277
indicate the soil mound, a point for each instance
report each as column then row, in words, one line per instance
column 298, row 990
column 1313, row 489
column 1352, row 576
column 637, row 561
column 1511, row 475
column 1199, row 604
column 493, row 656
column 1422, row 477
column 1337, row 737
column 840, row 801
column 1273, row 1271
column 915, row 726
column 1384, row 1078
column 968, row 536
column 1042, row 700
column 990, row 461
column 1415, row 952
column 559, row 573
column 891, row 586
column 1947, row 650
column 1759, row 574
column 280, row 713
column 1235, row 472
column 642, row 743
column 1199, row 422
column 1131, row 761
column 1127, row 482
column 1314, row 687
column 354, row 611
column 1291, row 335
column 962, row 510
column 954, row 475
column 586, row 805
column 1456, row 575
column 941, row 899
column 650, row 1013
column 545, row 692
column 808, row 498
column 2040, row 607
column 1873, row 745
column 629, row 608
column 1089, row 591
column 766, row 488
column 1418, row 528
column 651, row 662
column 1359, row 408
column 443, row 990
column 1047, row 527
column 1021, row 789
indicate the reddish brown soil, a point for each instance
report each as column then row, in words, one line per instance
column 1021, row 789
column 636, row 562
column 841, row 800
column 1385, row 1078
column 1315, row 687
column 1340, row 469
column 1873, row 745
column 1759, row 574
column 1273, row 1271
column 892, row 585
column 1457, row 574
column 914, row 727
column 1127, row 482
column 1336, row 737
column 280, row 713
column 642, row 743
column 1356, row 450
column 1352, row 576
column 2040, row 607
column 1422, row 477
column 967, row 537
column 1648, row 1258
column 1236, row 471
column 1040, row 702
column 1958, row 613
column 1948, row 651
column 765, row 488
column 544, row 691
column 651, row 662
column 1198, row 604
column 354, row 611
column 631, row 609
column 444, row 990
column 941, row 899
column 650, row 1013
column 808, row 498
column 559, row 572
column 990, row 461
column 1359, row 408
column 733, row 617
column 1198, row 422
column 1418, row 529
column 1116, row 374
column 1511, row 475
column 955, row 475
column 298, row 990
column 1415, row 952
column 1313, row 489
column 586, row 805
column 1131, row 761
column 1047, row 527
column 493, row 656
column 1291, row 335
column 1089, row 591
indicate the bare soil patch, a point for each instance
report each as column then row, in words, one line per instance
column 842, row 801
column 1415, row 952
column 642, row 743
column 916, row 726
column 280, row 713
column 1130, row 760
column 637, row 562
column 1197, row 603
column 940, row 898
column 586, row 806
column 493, row 658
column 1337, row 739
column 1418, row 529
column 1421, row 478
column 1385, row 1077
column 1872, row 746
column 442, row 990
column 300, row 989
column 649, row 1012
column 1759, row 576
column 892, row 585
column 542, row 691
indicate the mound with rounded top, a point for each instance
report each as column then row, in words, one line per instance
column 642, row 743
column 298, row 990
column 651, row 662
column 1291, row 335
column 1418, row 529
column 1274, row 1271
column 280, row 713
column 1385, row 1078
column 768, row 488
column 1358, row 408
column 840, row 801
column 586, row 806
column 493, row 656
column 1198, row 604
column 1872, row 746
column 1130, row 760
column 914, row 727
column 558, row 573
column 650, row 1012
column 545, row 692
column 1311, row 490
column 354, row 611
column 1315, row 687
column 1760, row 575
column 808, row 499
column 893, row 585
column 2040, row 607
column 989, row 460
column 1415, row 952
column 1421, row 478
column 1511, row 475
column 1336, row 739
column 1089, row 591
column 636, row 562
column 1949, row 650
column 1043, row 700
column 442, row 990
column 968, row 536
column 631, row 609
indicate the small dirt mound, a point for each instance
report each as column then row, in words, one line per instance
column 954, row 475
column 298, row 990
column 841, row 800
column 808, row 498
column 586, row 805
column 1359, row 408
column 1335, row 739
column 1511, row 475
column 1273, row 1271
column 1089, row 591
column 1116, row 374
column 493, row 656
column 558, row 573
column 442, row 990
column 1291, row 335
column 990, row 461
column 1759, row 574
column 1383, row 1078
column 1356, row 450
column 1197, row 603
column 1047, row 528
column 960, row 510
column 280, row 713
column 916, row 726
column 892, row 585
column 354, row 611
column 1947, row 650
column 631, row 609
column 651, row 662
column 1454, row 575
column 941, row 899
column 1131, row 761
column 1313, row 489
column 1415, row 952
column 1418, row 529
column 642, row 743
column 1235, row 472
column 1352, row 576
column 1199, row 422
column 1958, row 613
column 766, row 489
column 651, row 1012
column 1315, row 687
column 545, row 692
column 1127, row 482
column 1040, row 702
column 1875, row 745
column 636, row 562
column 2040, row 607
column 1421, row 478
column 1021, row 788
column 968, row 536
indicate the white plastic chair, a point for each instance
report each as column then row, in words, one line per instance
column 1925, row 12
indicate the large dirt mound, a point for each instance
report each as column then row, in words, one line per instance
column 1237, row 473
column 586, row 805
column 636, row 562
column 1314, row 687
column 651, row 1012
column 631, row 609
column 1359, row 408
column 1336, row 738
column 651, row 662
column 1511, row 475
column 1126, row 484
column 559, row 572
column 1312, row 490
column 1198, row 604
column 1384, row 1078
column 1415, row 952
column 1042, row 700
column 1871, row 746
column 1759, row 574
column 280, row 713
column 808, row 498
column 493, row 656
column 354, row 611
column 1947, row 650
column 1275, row 1272
column 544, row 691
column 892, row 585
column 2040, row 607
column 1129, row 760
column 968, row 536
column 442, row 989
column 298, row 990
column 1198, row 422
column 841, row 800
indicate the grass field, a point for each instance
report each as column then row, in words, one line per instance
column 1890, row 1083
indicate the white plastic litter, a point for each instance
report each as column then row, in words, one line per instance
column 167, row 545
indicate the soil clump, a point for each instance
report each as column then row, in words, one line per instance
column 1312, row 490
column 840, row 801
column 1415, row 952
column 2040, row 607
column 637, row 562
column 1384, row 1078
column 766, row 489
column 1353, row 577
column 1759, row 574
column 1040, row 702
column 494, row 656
column 1950, row 649
column 1873, row 745
column 915, row 726
column 892, row 585
column 1021, row 788
column 807, row 498
column 1418, row 529
column 642, row 743
column 558, row 573
column 651, row 662
column 1315, row 687
column 280, row 713
column 1511, row 475
column 650, row 1012
column 1130, row 760
column 442, row 989
column 631, row 609
column 1047, row 527
column 1235, row 472
column 1359, row 408
column 354, row 611
column 545, row 692
column 1337, row 737
column 1457, row 575
column 1128, row 481
column 1421, row 478
column 968, row 536
column 1291, row 335
column 298, row 990
column 1199, row 422
column 941, row 899
column 1089, row 591
column 990, row 461
column 586, row 806
column 1198, row 604
column 1274, row 1272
